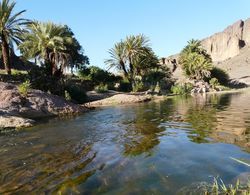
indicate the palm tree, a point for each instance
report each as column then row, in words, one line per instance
column 47, row 42
column 136, row 46
column 11, row 27
column 131, row 55
column 118, row 58
column 196, row 66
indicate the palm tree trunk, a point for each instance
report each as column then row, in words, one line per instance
column 6, row 54
column 124, row 69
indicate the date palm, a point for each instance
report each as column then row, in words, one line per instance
column 11, row 28
column 196, row 66
column 47, row 42
column 117, row 58
column 131, row 55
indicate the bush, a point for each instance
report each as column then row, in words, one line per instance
column 220, row 74
column 180, row 89
column 214, row 82
column 42, row 80
column 125, row 86
column 76, row 94
column 67, row 95
column 101, row 88
column 138, row 86
column 98, row 75
column 24, row 88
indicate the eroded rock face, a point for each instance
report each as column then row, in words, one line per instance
column 227, row 44
column 36, row 104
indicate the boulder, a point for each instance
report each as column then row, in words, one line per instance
column 36, row 104
column 7, row 122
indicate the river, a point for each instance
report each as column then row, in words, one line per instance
column 152, row 148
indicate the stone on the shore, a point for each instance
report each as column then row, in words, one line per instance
column 36, row 104
column 7, row 122
column 120, row 99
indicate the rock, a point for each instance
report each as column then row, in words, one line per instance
column 7, row 122
column 36, row 104
column 201, row 87
column 121, row 99
column 229, row 50
column 227, row 44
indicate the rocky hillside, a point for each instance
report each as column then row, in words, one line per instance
column 228, row 43
column 229, row 49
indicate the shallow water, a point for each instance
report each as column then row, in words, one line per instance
column 154, row 148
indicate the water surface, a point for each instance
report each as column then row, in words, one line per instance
column 153, row 148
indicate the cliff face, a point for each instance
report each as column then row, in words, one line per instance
column 228, row 43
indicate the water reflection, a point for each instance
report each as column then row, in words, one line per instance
column 157, row 147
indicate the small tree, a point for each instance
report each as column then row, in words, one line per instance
column 195, row 61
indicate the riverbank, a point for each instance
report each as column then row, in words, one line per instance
column 18, row 110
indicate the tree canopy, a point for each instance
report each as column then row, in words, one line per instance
column 195, row 61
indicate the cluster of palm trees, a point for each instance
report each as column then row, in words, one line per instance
column 47, row 43
column 195, row 61
column 132, row 56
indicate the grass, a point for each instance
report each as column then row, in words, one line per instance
column 14, row 72
column 24, row 88
column 219, row 188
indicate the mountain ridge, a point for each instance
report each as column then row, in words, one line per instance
column 229, row 49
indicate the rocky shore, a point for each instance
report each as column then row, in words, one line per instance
column 17, row 111
column 120, row 99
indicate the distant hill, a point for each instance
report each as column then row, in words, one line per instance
column 229, row 49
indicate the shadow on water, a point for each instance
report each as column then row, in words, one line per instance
column 157, row 147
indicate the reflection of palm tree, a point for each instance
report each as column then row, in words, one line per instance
column 203, row 122
column 143, row 136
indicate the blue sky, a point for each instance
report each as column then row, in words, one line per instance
column 169, row 24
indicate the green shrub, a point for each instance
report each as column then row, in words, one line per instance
column 138, row 86
column 24, row 88
column 220, row 74
column 41, row 79
column 67, row 95
column 125, row 86
column 18, row 72
column 101, row 88
column 180, row 89
column 98, row 75
column 76, row 94
column 214, row 82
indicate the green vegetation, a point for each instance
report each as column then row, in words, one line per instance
column 76, row 93
column 102, row 88
column 196, row 63
column 11, row 29
column 214, row 82
column 55, row 53
column 97, row 75
column 182, row 88
column 137, row 62
column 53, row 45
column 24, row 88
column 67, row 96
column 219, row 187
